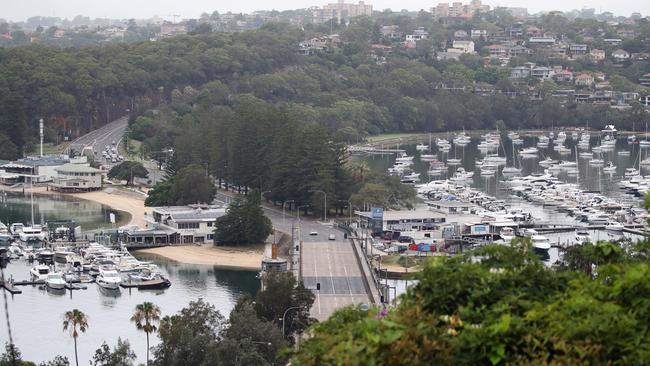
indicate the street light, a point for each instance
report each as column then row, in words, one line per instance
column 298, row 209
column 283, row 203
column 285, row 314
column 262, row 195
column 325, row 197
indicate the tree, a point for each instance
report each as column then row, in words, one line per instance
column 57, row 361
column 121, row 355
column 249, row 340
column 160, row 194
column 71, row 321
column 191, row 185
column 145, row 317
column 189, row 337
column 127, row 171
column 283, row 292
column 13, row 357
column 500, row 305
column 243, row 223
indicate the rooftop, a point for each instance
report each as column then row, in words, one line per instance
column 77, row 168
column 404, row 214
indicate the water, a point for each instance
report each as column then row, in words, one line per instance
column 36, row 314
column 16, row 207
column 590, row 178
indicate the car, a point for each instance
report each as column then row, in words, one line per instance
column 331, row 236
column 313, row 233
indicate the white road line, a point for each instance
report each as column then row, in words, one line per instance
column 317, row 292
column 347, row 278
column 329, row 264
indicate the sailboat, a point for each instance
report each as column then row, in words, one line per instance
column 429, row 156
column 511, row 170
column 632, row 138
column 454, row 161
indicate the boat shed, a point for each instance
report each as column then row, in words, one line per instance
column 144, row 238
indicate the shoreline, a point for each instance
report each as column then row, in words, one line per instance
column 115, row 199
column 248, row 258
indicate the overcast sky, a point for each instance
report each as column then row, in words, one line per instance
column 16, row 10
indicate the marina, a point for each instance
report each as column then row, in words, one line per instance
column 562, row 185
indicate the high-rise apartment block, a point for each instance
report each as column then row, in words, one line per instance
column 340, row 11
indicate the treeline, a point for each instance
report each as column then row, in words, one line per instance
column 253, row 144
column 77, row 90
column 345, row 91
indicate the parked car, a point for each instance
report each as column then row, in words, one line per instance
column 332, row 236
column 313, row 233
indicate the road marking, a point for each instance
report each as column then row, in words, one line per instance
column 317, row 292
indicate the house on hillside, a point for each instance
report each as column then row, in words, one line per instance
column 497, row 50
column 578, row 50
column 563, row 76
column 584, row 79
column 460, row 34
column 645, row 80
column 541, row 72
column 520, row 72
column 463, row 47
column 620, row 55
column 596, row 54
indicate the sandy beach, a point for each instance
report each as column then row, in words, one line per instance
column 131, row 203
column 247, row 258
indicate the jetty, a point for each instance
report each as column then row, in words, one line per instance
column 10, row 287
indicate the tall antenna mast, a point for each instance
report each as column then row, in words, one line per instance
column 40, row 129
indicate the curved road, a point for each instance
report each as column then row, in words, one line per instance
column 97, row 140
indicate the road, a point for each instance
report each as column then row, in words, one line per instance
column 97, row 140
column 332, row 263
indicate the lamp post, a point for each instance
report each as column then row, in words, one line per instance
column 298, row 210
column 283, row 203
column 285, row 314
column 325, row 198
column 262, row 195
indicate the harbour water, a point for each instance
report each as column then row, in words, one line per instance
column 36, row 315
column 16, row 207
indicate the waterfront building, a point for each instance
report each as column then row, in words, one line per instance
column 76, row 178
column 192, row 224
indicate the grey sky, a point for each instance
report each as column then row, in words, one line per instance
column 121, row 9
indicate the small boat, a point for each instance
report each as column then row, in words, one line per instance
column 540, row 243
column 55, row 281
column 631, row 139
column 596, row 162
column 614, row 226
column 528, row 151
column 507, row 234
column 582, row 237
column 610, row 167
column 511, row 170
column 40, row 272
column 547, row 162
column 427, row 157
column 586, row 154
column 625, row 153
column 644, row 143
column 422, row 147
column 453, row 161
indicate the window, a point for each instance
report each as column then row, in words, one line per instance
column 188, row 225
column 210, row 224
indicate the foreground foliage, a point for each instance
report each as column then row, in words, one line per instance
column 504, row 308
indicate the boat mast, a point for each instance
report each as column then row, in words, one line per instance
column 31, row 193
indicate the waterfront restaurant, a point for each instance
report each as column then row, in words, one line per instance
column 193, row 223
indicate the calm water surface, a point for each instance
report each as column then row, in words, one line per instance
column 36, row 314
column 16, row 207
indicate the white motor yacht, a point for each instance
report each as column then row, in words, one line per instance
column 540, row 243
column 507, row 234
column 528, row 151
column 582, row 237
column 40, row 272
column 610, row 168
column 614, row 226
column 108, row 278
column 422, row 147
column 31, row 234
column 55, row 281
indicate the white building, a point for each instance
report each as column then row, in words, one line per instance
column 76, row 177
column 192, row 224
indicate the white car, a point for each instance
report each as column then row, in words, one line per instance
column 313, row 233
column 332, row 237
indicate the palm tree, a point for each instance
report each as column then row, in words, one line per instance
column 144, row 317
column 71, row 321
